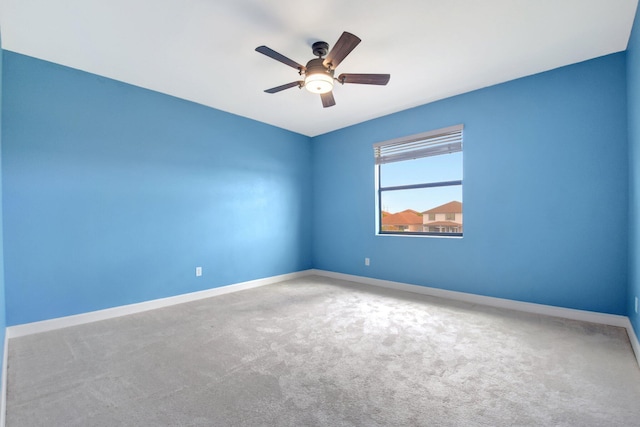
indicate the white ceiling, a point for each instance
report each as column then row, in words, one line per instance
column 203, row 50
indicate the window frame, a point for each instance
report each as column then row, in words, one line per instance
column 413, row 141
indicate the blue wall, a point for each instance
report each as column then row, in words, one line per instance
column 545, row 193
column 3, row 322
column 633, row 84
column 114, row 194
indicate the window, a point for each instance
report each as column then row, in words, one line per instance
column 419, row 183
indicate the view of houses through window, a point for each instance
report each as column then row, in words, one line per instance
column 445, row 218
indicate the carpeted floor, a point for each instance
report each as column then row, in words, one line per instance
column 323, row 352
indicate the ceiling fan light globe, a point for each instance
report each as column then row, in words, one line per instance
column 318, row 82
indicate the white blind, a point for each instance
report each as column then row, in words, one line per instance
column 432, row 143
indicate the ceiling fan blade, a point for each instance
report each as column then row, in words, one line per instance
column 327, row 99
column 279, row 57
column 343, row 47
column 299, row 83
column 365, row 79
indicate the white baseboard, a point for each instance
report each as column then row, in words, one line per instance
column 63, row 322
column 3, row 393
column 566, row 313
column 633, row 338
column 109, row 313
column 527, row 307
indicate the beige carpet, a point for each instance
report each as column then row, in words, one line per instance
column 322, row 352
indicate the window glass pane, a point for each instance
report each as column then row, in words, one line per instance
column 446, row 167
column 435, row 210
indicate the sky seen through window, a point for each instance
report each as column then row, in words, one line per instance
column 446, row 167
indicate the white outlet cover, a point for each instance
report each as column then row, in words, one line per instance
column 198, row 271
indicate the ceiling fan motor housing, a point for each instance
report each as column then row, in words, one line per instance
column 320, row 48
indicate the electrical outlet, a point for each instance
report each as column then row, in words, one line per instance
column 198, row 271
column 367, row 262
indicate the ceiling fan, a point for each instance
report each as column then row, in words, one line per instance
column 318, row 73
